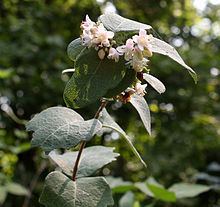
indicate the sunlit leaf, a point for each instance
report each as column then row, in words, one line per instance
column 161, row 47
column 117, row 23
column 155, row 83
column 143, row 110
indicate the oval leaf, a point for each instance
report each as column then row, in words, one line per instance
column 60, row 191
column 117, row 23
column 60, row 127
column 141, row 106
column 92, row 159
column 92, row 79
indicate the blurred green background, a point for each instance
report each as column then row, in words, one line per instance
column 185, row 145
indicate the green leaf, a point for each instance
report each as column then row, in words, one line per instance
column 161, row 193
column 75, row 48
column 93, row 158
column 117, row 23
column 92, row 79
column 16, row 189
column 118, row 185
column 123, row 85
column 60, row 127
column 142, row 186
column 153, row 189
column 3, row 194
column 60, row 191
column 127, row 200
column 186, row 190
column 108, row 122
column 142, row 108
column 161, row 47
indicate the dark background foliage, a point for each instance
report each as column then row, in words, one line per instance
column 185, row 144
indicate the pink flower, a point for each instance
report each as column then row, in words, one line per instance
column 127, row 49
column 102, row 36
column 142, row 42
column 140, row 89
column 87, row 25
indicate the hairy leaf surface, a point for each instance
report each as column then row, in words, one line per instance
column 60, row 127
column 117, row 23
column 92, row 159
column 161, row 47
column 60, row 191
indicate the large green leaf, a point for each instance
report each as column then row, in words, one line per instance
column 60, row 191
column 118, row 185
column 161, row 47
column 117, row 23
column 92, row 79
column 108, row 122
column 92, row 159
column 60, row 127
column 153, row 189
column 186, row 190
column 123, row 85
column 161, row 193
column 75, row 48
column 143, row 110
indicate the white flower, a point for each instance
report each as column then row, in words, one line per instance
column 87, row 25
column 155, row 83
column 138, row 62
column 127, row 49
column 140, row 89
column 142, row 41
column 102, row 36
column 113, row 54
column 86, row 38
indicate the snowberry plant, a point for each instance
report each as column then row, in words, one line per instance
column 110, row 64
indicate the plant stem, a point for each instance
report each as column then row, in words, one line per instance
column 83, row 143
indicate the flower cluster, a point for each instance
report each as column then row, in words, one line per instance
column 136, row 49
column 95, row 35
column 136, row 52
